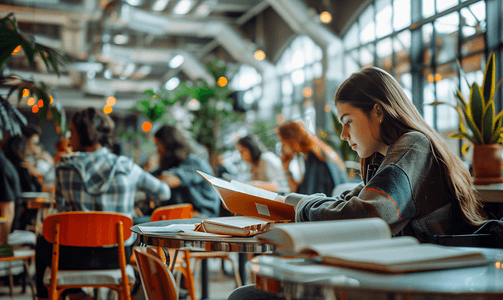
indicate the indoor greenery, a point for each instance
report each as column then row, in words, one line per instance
column 478, row 121
column 11, row 41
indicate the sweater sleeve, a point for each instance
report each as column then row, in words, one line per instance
column 387, row 195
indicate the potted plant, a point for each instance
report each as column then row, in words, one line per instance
column 479, row 124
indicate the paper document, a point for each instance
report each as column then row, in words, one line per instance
column 173, row 228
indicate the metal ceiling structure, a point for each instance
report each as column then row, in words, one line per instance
column 125, row 46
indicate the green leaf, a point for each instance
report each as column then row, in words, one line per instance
column 477, row 136
column 461, row 101
column 476, row 105
column 53, row 62
column 488, row 123
column 149, row 92
column 489, row 79
column 28, row 50
column 461, row 135
column 496, row 135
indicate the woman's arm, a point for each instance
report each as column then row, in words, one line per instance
column 388, row 196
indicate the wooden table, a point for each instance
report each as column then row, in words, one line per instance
column 299, row 278
column 25, row 256
column 41, row 202
column 491, row 196
column 247, row 245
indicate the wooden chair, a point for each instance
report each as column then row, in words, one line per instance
column 88, row 229
column 157, row 281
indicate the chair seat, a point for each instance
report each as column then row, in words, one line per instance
column 90, row 277
column 21, row 237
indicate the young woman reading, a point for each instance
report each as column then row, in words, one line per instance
column 411, row 179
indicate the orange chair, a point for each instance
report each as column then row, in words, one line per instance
column 184, row 211
column 88, row 229
column 158, row 282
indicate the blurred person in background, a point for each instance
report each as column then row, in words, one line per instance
column 40, row 163
column 324, row 169
column 10, row 189
column 178, row 166
column 266, row 167
column 94, row 179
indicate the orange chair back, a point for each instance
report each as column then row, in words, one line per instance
column 172, row 212
column 157, row 280
column 87, row 229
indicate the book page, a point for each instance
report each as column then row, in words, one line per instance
column 329, row 249
column 237, row 222
column 173, row 228
column 407, row 258
column 290, row 238
column 248, row 189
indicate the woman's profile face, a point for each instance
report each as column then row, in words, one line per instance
column 361, row 131
column 245, row 153
column 161, row 150
column 74, row 137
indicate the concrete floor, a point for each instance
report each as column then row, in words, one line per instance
column 220, row 285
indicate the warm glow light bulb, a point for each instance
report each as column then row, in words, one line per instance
column 326, row 17
column 26, row 92
column 259, row 55
column 18, row 48
column 51, row 99
column 111, row 101
column 31, row 101
column 307, row 92
column 327, row 108
column 147, row 126
column 34, row 109
column 107, row 109
column 40, row 103
column 222, row 81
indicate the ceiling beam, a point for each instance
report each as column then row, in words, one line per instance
column 252, row 12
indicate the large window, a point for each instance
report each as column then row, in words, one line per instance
column 299, row 65
column 446, row 38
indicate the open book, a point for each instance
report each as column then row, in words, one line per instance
column 366, row 244
column 249, row 201
column 236, row 226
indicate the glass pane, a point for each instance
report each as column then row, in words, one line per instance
column 428, row 96
column 367, row 33
column 286, row 86
column 298, row 59
column 351, row 37
column 445, row 4
column 383, row 18
column 447, row 83
column 473, row 67
column 384, row 55
column 474, row 19
column 367, row 56
column 427, row 31
column 402, row 42
column 309, row 73
column 401, row 14
column 447, row 37
column 317, row 70
column 428, row 8
column 351, row 63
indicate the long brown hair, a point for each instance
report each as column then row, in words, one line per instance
column 296, row 135
column 177, row 147
column 373, row 86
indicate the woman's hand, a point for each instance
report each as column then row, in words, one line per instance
column 172, row 180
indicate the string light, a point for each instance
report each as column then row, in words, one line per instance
column 327, row 108
column 51, row 100
column 259, row 55
column 107, row 109
column 26, row 92
column 147, row 126
column 325, row 17
column 16, row 50
column 222, row 81
column 111, row 101
column 30, row 101
column 307, row 92
column 40, row 103
column 34, row 109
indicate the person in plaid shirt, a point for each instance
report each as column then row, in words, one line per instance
column 94, row 179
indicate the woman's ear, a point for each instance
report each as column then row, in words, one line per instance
column 378, row 111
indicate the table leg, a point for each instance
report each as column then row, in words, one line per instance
column 204, row 279
column 33, row 293
column 243, row 258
